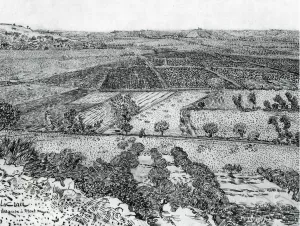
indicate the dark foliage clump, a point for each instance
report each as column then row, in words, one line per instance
column 124, row 109
column 282, row 126
column 9, row 115
column 287, row 180
column 17, row 152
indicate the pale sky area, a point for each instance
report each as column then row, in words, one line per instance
column 108, row 15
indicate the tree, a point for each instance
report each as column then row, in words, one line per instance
column 8, row 115
column 240, row 129
column 286, row 122
column 252, row 99
column 296, row 139
column 267, row 105
column 210, row 128
column 293, row 100
column 126, row 127
column 253, row 135
column 161, row 127
column 281, row 102
column 158, row 174
column 142, row 133
column 238, row 102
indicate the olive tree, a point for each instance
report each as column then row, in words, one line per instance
column 161, row 127
column 210, row 128
column 240, row 129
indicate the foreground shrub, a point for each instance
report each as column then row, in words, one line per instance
column 17, row 152
column 287, row 180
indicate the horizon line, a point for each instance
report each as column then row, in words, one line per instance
column 148, row 29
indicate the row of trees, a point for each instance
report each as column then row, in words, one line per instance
column 282, row 125
column 240, row 129
column 281, row 104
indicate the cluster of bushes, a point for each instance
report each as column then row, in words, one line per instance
column 206, row 194
column 71, row 122
column 284, row 135
column 287, row 180
column 115, row 179
column 281, row 104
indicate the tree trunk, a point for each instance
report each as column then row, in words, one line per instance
column 162, row 133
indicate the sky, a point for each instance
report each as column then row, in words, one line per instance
column 108, row 15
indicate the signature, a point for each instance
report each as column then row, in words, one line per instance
column 12, row 204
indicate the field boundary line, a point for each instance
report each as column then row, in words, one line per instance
column 197, row 138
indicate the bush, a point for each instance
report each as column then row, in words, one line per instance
column 122, row 144
column 131, row 139
column 210, row 128
column 17, row 152
column 137, row 148
column 125, row 160
column 155, row 154
column 240, row 129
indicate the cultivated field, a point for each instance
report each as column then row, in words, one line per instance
column 17, row 94
column 33, row 65
column 168, row 110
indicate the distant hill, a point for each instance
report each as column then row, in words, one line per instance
column 18, row 37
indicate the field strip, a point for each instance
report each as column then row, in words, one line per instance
column 64, row 98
